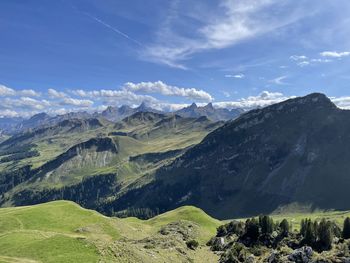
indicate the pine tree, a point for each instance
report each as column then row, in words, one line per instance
column 266, row 224
column 284, row 227
column 324, row 234
column 310, row 232
column 303, row 227
column 252, row 229
column 346, row 228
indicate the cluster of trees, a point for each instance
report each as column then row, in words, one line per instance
column 255, row 229
column 87, row 193
column 142, row 213
column 19, row 156
column 264, row 231
column 18, row 152
column 320, row 235
column 10, row 179
column 17, row 149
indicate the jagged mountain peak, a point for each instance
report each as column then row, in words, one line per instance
column 209, row 106
column 193, row 106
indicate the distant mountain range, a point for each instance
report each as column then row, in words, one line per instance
column 220, row 114
column 113, row 114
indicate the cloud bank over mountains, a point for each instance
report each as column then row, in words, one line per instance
column 26, row 102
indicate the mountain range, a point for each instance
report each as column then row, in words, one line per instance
column 292, row 153
column 14, row 125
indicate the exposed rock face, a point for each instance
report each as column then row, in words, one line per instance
column 294, row 151
column 119, row 113
column 193, row 111
column 96, row 152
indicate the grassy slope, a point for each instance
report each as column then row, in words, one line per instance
column 295, row 218
column 62, row 231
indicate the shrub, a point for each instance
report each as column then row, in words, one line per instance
column 192, row 244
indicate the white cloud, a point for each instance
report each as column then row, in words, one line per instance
column 168, row 90
column 298, row 57
column 303, row 61
column 334, row 54
column 56, row 94
column 29, row 93
column 24, row 103
column 76, row 102
column 279, row 80
column 233, row 22
column 5, row 91
column 342, row 102
column 226, row 94
column 265, row 98
column 237, row 76
column 8, row 113
column 116, row 97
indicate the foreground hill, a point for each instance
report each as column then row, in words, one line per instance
column 62, row 231
column 294, row 151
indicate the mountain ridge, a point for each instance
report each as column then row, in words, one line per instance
column 265, row 158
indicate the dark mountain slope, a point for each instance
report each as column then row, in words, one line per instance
column 294, row 151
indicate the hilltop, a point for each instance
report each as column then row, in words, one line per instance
column 62, row 231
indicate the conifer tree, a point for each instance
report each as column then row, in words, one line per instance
column 346, row 228
column 284, row 227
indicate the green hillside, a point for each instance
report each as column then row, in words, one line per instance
column 62, row 231
column 69, row 159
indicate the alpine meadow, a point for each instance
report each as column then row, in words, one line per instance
column 175, row 131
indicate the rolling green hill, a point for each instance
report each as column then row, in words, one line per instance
column 62, row 231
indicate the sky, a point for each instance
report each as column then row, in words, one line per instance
column 84, row 55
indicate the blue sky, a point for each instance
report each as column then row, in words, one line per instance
column 64, row 55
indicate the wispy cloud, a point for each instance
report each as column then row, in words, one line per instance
column 234, row 21
column 112, row 28
column 279, row 80
column 334, row 54
column 298, row 57
column 236, row 76
column 303, row 61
